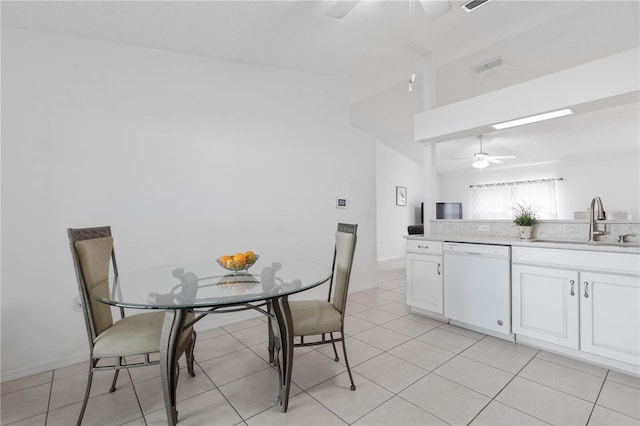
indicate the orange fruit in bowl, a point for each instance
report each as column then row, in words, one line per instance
column 226, row 261
column 250, row 256
column 239, row 260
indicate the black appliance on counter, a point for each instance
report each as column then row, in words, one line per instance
column 448, row 210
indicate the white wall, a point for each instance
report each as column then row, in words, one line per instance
column 615, row 178
column 185, row 157
column 394, row 169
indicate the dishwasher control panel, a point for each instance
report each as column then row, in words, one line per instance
column 478, row 249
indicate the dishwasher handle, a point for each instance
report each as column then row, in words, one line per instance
column 462, row 253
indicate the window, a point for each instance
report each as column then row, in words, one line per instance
column 496, row 200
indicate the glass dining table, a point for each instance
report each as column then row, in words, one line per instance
column 204, row 288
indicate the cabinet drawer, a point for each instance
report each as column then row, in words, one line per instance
column 424, row 246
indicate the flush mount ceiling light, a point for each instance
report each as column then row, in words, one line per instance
column 534, row 118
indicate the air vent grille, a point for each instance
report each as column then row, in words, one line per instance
column 485, row 66
column 473, row 4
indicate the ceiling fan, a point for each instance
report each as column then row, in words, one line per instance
column 482, row 159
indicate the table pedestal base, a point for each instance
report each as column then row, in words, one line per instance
column 174, row 322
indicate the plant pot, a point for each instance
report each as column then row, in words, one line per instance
column 526, row 232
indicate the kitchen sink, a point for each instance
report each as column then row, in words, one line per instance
column 588, row 243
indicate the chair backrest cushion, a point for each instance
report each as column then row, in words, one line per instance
column 344, row 253
column 94, row 256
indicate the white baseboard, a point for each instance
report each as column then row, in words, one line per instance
column 207, row 323
column 19, row 373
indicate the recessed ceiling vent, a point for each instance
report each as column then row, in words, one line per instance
column 473, row 4
column 485, row 66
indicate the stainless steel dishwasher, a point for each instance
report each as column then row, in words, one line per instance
column 477, row 287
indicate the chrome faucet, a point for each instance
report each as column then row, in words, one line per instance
column 596, row 212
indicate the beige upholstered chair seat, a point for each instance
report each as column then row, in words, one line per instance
column 136, row 334
column 133, row 335
column 314, row 317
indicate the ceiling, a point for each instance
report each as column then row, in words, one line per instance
column 369, row 45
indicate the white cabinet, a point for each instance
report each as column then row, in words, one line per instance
column 609, row 316
column 545, row 304
column 424, row 275
column 587, row 301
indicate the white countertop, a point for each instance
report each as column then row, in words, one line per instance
column 604, row 246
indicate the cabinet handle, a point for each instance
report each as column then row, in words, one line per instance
column 586, row 289
column 439, row 269
column 573, row 293
column 424, row 247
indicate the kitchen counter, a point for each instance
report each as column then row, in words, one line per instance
column 603, row 246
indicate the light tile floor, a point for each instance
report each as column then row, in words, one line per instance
column 408, row 369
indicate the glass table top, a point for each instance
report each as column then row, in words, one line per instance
column 206, row 284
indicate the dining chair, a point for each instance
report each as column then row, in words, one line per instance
column 319, row 318
column 124, row 340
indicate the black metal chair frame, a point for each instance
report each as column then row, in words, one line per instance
column 186, row 347
column 342, row 227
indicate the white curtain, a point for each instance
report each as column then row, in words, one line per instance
column 497, row 200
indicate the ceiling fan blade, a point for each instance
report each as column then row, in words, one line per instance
column 483, row 157
column 435, row 8
column 341, row 8
column 501, row 157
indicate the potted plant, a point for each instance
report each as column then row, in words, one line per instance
column 525, row 218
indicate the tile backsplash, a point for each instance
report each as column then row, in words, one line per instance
column 572, row 230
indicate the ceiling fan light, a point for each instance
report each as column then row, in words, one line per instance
column 533, row 118
column 480, row 164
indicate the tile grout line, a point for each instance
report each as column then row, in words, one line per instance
column 135, row 392
column 216, row 387
column 569, row 367
column 46, row 414
column 501, row 390
column 598, row 396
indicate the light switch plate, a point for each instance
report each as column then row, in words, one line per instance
column 342, row 203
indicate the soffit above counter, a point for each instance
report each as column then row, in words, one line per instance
column 604, row 83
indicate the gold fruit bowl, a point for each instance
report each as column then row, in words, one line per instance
column 230, row 266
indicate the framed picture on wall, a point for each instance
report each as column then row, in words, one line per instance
column 401, row 196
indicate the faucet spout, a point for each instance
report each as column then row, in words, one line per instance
column 596, row 213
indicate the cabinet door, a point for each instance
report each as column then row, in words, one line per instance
column 545, row 304
column 609, row 316
column 424, row 282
